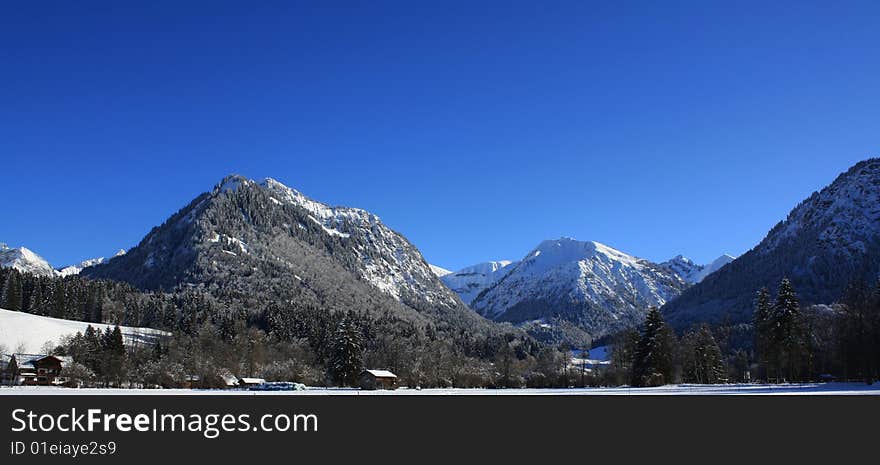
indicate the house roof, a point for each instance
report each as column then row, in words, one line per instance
column 381, row 373
column 252, row 380
column 29, row 359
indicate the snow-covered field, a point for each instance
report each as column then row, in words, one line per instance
column 23, row 332
column 813, row 389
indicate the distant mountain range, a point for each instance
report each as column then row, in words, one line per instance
column 693, row 273
column 594, row 286
column 827, row 241
column 589, row 284
column 254, row 241
column 27, row 261
column 469, row 282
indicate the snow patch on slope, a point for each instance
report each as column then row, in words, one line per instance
column 438, row 271
column 693, row 273
column 390, row 262
column 470, row 281
column 24, row 332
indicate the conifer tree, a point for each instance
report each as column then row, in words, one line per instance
column 787, row 336
column 653, row 364
column 346, row 355
column 702, row 360
column 763, row 326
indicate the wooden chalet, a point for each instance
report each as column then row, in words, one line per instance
column 34, row 369
column 378, row 379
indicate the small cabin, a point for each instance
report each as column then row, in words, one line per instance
column 378, row 379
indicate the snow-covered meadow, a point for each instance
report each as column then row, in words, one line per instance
column 809, row 389
column 24, row 332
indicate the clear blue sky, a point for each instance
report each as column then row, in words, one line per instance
column 476, row 131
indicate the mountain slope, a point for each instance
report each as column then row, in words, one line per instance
column 258, row 242
column 24, row 332
column 24, row 260
column 439, row 271
column 692, row 272
column 590, row 284
column 826, row 242
column 469, row 282
column 71, row 270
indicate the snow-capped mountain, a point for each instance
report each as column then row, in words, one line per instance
column 24, row 260
column 692, row 272
column 264, row 238
column 387, row 260
column 716, row 265
column 588, row 283
column 71, row 270
column 829, row 240
column 683, row 267
column 27, row 261
column 469, row 282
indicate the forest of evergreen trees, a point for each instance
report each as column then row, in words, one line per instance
column 279, row 341
column 785, row 343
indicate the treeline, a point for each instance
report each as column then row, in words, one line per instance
column 785, row 343
column 283, row 341
column 656, row 356
column 206, row 360
column 821, row 342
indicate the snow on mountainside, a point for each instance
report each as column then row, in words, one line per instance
column 387, row 260
column 684, row 267
column 469, row 282
column 24, row 332
column 693, row 273
column 71, row 270
column 827, row 241
column 595, row 286
column 27, row 261
column 439, row 271
column 24, row 260
column 269, row 241
column 716, row 265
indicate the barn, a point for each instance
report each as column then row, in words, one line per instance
column 378, row 379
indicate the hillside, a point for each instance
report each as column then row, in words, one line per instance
column 826, row 242
column 27, row 333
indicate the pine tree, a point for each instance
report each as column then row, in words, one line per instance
column 346, row 355
column 623, row 354
column 653, row 364
column 92, row 349
column 37, row 299
column 703, row 362
column 787, row 335
column 763, row 325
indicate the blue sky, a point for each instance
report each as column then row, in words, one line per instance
column 475, row 130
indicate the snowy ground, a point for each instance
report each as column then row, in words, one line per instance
column 681, row 389
column 23, row 332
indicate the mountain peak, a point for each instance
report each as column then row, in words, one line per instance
column 470, row 281
column 25, row 260
column 231, row 183
column 245, row 225
column 586, row 283
column 567, row 249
